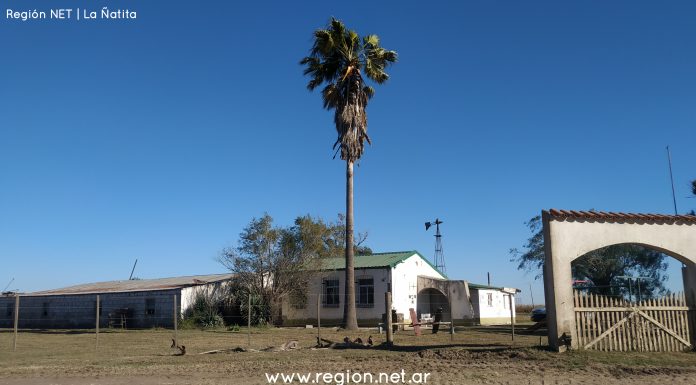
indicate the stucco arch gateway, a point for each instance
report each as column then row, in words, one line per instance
column 571, row 234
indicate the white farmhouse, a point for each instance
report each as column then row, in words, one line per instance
column 413, row 280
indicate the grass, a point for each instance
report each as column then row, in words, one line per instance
column 73, row 353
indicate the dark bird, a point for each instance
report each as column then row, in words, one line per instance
column 369, row 341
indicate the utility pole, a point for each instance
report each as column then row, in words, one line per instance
column 671, row 178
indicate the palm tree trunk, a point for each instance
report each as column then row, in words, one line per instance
column 350, row 319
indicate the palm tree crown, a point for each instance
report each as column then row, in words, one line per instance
column 339, row 58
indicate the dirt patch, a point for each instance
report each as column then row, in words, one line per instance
column 472, row 356
column 624, row 371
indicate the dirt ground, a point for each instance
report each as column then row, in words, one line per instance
column 482, row 355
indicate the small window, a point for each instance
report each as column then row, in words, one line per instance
column 365, row 292
column 490, row 299
column 331, row 296
column 506, row 301
column 150, row 306
column 10, row 309
column 44, row 313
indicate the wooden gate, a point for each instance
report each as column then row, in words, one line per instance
column 614, row 324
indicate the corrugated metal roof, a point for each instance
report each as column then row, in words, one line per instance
column 477, row 286
column 389, row 259
column 137, row 285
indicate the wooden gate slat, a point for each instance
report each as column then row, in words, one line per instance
column 684, row 314
column 660, row 333
column 607, row 323
column 670, row 332
column 671, row 324
column 601, row 336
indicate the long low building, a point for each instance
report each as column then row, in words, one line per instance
column 142, row 303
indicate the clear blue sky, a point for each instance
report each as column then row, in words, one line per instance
column 160, row 138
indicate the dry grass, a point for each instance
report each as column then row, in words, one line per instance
column 525, row 309
column 472, row 355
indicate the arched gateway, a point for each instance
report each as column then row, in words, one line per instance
column 571, row 234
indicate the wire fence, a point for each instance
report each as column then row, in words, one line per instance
column 112, row 313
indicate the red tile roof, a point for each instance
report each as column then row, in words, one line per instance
column 618, row 217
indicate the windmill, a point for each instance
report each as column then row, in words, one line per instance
column 439, row 256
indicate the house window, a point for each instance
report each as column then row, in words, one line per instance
column 44, row 313
column 365, row 292
column 330, row 297
column 490, row 299
column 150, row 306
column 506, row 301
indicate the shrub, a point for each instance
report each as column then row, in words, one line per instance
column 204, row 312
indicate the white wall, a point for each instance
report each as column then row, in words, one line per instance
column 213, row 289
column 500, row 309
column 380, row 278
column 405, row 283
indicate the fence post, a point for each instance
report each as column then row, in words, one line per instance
column 96, row 344
column 512, row 318
column 249, row 320
column 176, row 323
column 449, row 303
column 319, row 319
column 388, row 306
column 16, row 321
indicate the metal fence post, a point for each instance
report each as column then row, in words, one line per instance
column 96, row 344
column 16, row 321
column 388, row 306
column 319, row 319
column 249, row 320
column 512, row 318
column 176, row 323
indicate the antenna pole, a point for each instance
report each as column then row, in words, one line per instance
column 674, row 198
column 8, row 285
column 133, row 269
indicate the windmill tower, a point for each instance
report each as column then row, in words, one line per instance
column 439, row 257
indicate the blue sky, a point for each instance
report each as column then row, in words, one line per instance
column 160, row 138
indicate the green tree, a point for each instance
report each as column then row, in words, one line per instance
column 339, row 58
column 273, row 263
column 600, row 267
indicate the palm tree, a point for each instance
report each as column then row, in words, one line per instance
column 339, row 58
column 693, row 191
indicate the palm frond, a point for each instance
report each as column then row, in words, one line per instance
column 331, row 96
column 339, row 58
column 369, row 92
